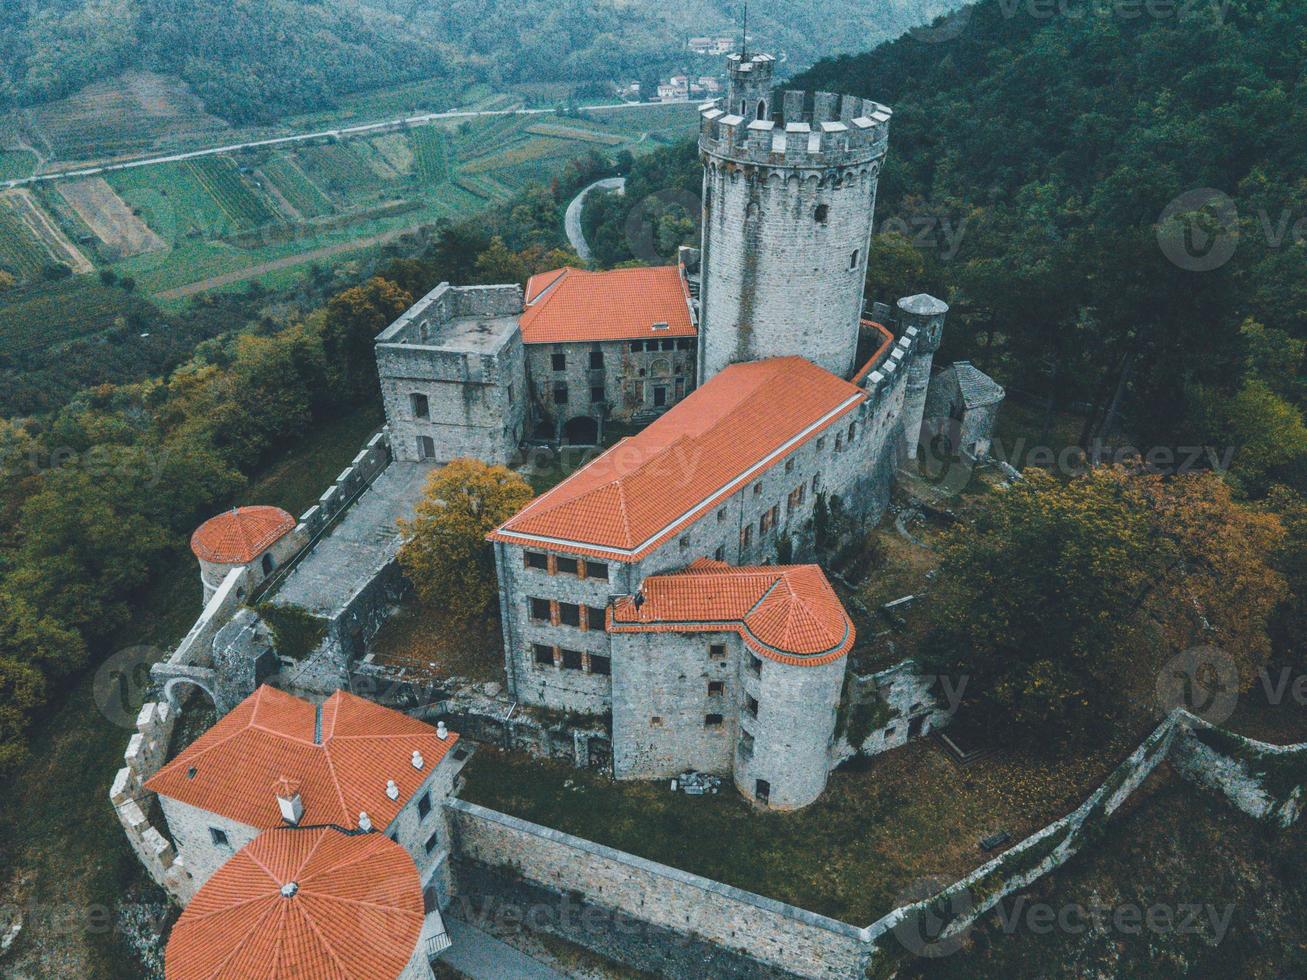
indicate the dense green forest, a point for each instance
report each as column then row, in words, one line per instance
column 254, row 61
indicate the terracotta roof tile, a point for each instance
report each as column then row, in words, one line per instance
column 356, row 912
column 269, row 736
column 648, row 488
column 239, row 535
column 622, row 304
column 788, row 613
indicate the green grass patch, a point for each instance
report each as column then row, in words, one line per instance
column 430, row 154
column 339, row 170
column 243, row 206
column 173, row 201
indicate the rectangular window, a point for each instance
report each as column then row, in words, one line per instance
column 716, row 689
column 559, row 362
column 720, row 553
column 536, row 559
column 567, row 566
column 424, row 805
column 544, row 655
column 426, row 447
column 596, row 360
column 540, row 609
column 637, row 346
column 853, row 259
column 755, row 665
column 746, row 536
column 597, row 394
column 594, row 618
column 746, row 744
column 839, row 442
column 721, row 515
column 560, row 393
column 600, row 665
column 656, row 721
column 219, row 837
column 712, row 721
column 796, row 497
column 821, row 444
column 816, row 480
column 757, row 488
column 853, row 430
column 717, row 651
column 510, row 394
column 685, row 542
column 569, row 614
column 571, row 659
column 596, row 569
column 421, row 406
column 668, row 344
column 432, row 841
column 751, row 706
column 789, row 466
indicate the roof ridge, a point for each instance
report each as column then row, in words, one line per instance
column 364, row 855
column 340, row 793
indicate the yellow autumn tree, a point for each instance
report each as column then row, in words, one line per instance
column 446, row 556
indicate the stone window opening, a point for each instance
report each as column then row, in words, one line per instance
column 424, row 805
column 821, row 214
column 821, row 443
column 757, row 488
column 656, row 721
column 219, row 837
column 789, row 466
column 853, row 259
column 571, row 659
column 755, row 665
column 594, row 618
column 544, row 655
column 751, row 706
column 596, row 360
column 569, row 614
column 426, row 447
column 268, row 564
column 721, row 515
column 421, row 405
column 568, row 566
column 717, row 651
column 839, row 442
column 637, row 346
column 536, row 559
column 762, row 790
column 601, row 665
column 560, row 393
column 685, row 542
column 746, row 536
column 720, row 553
column 558, row 361
column 432, row 841
column 597, row 394
column 712, row 720
column 746, row 745
column 540, row 609
column 716, row 689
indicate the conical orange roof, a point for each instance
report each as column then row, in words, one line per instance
column 240, row 535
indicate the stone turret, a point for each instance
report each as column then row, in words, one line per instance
column 926, row 313
column 789, row 196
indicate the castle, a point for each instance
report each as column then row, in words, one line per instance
column 669, row 585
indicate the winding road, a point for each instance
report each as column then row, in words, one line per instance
column 572, row 220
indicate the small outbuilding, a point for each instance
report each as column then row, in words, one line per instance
column 962, row 406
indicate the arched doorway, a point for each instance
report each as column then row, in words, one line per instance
column 177, row 698
column 583, row 430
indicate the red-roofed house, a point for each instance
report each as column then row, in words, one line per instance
column 617, row 344
column 301, row 904
column 732, row 670
column 276, row 760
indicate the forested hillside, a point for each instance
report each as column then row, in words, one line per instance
column 1032, row 159
column 252, row 60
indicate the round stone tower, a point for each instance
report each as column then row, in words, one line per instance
column 789, row 193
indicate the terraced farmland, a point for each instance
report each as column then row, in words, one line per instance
column 430, row 156
column 301, row 192
column 50, row 313
column 337, row 168
column 244, row 207
column 21, row 255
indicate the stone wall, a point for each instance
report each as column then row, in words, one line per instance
column 893, row 706
column 1263, row 780
column 628, row 378
column 662, row 905
column 146, row 752
column 362, row 470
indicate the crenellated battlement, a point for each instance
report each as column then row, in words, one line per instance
column 807, row 129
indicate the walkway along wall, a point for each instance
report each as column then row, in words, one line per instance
column 642, row 912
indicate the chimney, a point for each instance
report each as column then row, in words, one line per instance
column 391, row 789
column 418, row 763
column 288, row 800
column 442, row 732
column 365, row 824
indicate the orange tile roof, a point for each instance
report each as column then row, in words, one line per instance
column 651, row 486
column 354, row 913
column 788, row 613
column 235, row 768
column 567, row 305
column 239, row 535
